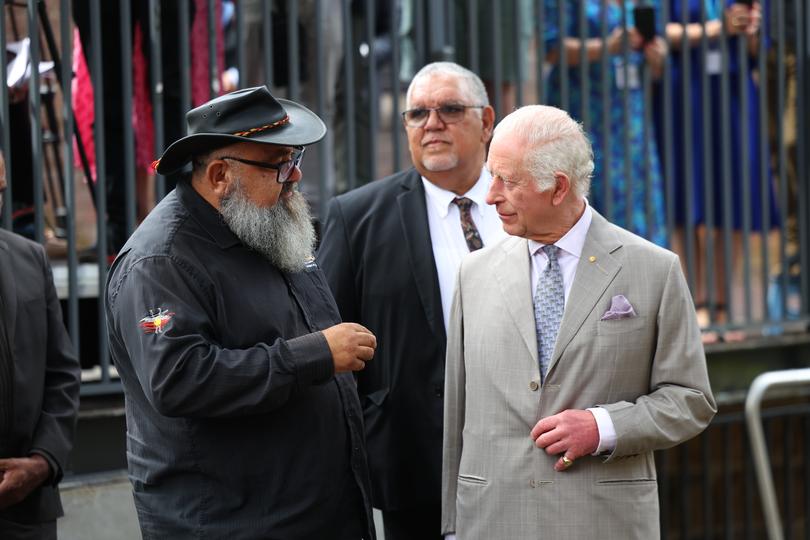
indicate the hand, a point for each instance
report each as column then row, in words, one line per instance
column 572, row 433
column 755, row 19
column 20, row 476
column 614, row 41
column 655, row 53
column 738, row 17
column 352, row 345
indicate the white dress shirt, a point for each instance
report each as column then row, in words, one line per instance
column 446, row 236
column 568, row 256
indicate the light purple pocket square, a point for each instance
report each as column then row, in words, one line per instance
column 620, row 308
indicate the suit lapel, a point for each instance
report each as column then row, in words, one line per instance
column 512, row 271
column 596, row 270
column 8, row 289
column 415, row 229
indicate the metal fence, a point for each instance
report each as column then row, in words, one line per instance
column 706, row 155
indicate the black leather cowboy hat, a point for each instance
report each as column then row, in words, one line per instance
column 249, row 115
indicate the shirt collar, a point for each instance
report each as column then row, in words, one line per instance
column 574, row 240
column 441, row 199
column 206, row 215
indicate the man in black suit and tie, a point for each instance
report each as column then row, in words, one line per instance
column 39, row 389
column 390, row 251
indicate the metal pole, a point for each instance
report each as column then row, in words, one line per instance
column 753, row 402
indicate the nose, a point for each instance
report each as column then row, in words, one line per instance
column 296, row 175
column 494, row 193
column 434, row 121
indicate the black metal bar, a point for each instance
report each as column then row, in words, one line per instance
column 563, row 64
column 708, row 173
column 748, row 489
column 267, row 40
column 213, row 69
column 764, row 167
column 348, row 103
column 540, row 43
column 497, row 83
column 787, row 451
column 241, row 58
column 728, row 483
column 517, row 34
column 184, row 25
column 130, row 198
column 686, row 513
column 101, row 180
column 293, row 53
column 745, row 138
column 66, row 72
column 725, row 126
column 782, row 192
column 6, row 207
column 320, row 107
column 801, row 157
column 395, row 86
column 707, row 477
column 628, row 174
column 688, row 158
column 373, row 100
column 584, row 80
column 664, row 492
column 668, row 163
column 36, row 125
column 607, row 159
column 156, row 62
column 472, row 42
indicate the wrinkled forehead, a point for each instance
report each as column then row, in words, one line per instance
column 436, row 89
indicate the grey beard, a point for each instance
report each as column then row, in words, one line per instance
column 283, row 233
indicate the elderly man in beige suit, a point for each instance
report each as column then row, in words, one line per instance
column 573, row 353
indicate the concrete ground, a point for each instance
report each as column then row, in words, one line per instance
column 100, row 507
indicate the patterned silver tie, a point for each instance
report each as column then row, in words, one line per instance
column 549, row 303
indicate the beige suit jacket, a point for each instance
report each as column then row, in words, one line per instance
column 648, row 371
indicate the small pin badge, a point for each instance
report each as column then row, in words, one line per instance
column 591, row 259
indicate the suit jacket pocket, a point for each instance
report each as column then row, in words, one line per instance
column 626, row 481
column 376, row 398
column 620, row 326
column 472, row 479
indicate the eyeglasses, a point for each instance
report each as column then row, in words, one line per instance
column 449, row 114
column 284, row 169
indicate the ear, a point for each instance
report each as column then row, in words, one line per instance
column 488, row 118
column 213, row 182
column 561, row 189
column 217, row 177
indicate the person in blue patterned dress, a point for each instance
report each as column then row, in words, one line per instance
column 627, row 186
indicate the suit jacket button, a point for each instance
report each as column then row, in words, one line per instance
column 533, row 386
column 439, row 391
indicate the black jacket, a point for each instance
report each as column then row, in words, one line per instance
column 377, row 256
column 237, row 426
column 46, row 372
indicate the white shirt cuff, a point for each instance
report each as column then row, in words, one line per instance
column 607, row 432
column 450, row 536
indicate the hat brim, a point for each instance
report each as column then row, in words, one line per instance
column 304, row 128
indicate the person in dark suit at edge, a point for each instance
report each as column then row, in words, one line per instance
column 390, row 252
column 39, row 389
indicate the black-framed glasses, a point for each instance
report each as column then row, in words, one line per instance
column 449, row 113
column 284, row 169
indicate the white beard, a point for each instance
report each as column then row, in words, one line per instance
column 283, row 233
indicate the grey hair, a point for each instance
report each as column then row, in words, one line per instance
column 471, row 85
column 555, row 142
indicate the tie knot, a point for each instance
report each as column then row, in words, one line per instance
column 463, row 203
column 551, row 252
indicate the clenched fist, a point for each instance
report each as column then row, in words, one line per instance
column 352, row 345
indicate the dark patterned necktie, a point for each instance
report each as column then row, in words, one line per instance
column 467, row 224
column 6, row 381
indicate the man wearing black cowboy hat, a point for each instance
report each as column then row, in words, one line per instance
column 242, row 413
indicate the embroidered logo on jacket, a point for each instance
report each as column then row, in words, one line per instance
column 156, row 321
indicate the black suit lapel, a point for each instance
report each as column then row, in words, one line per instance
column 414, row 221
column 8, row 289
